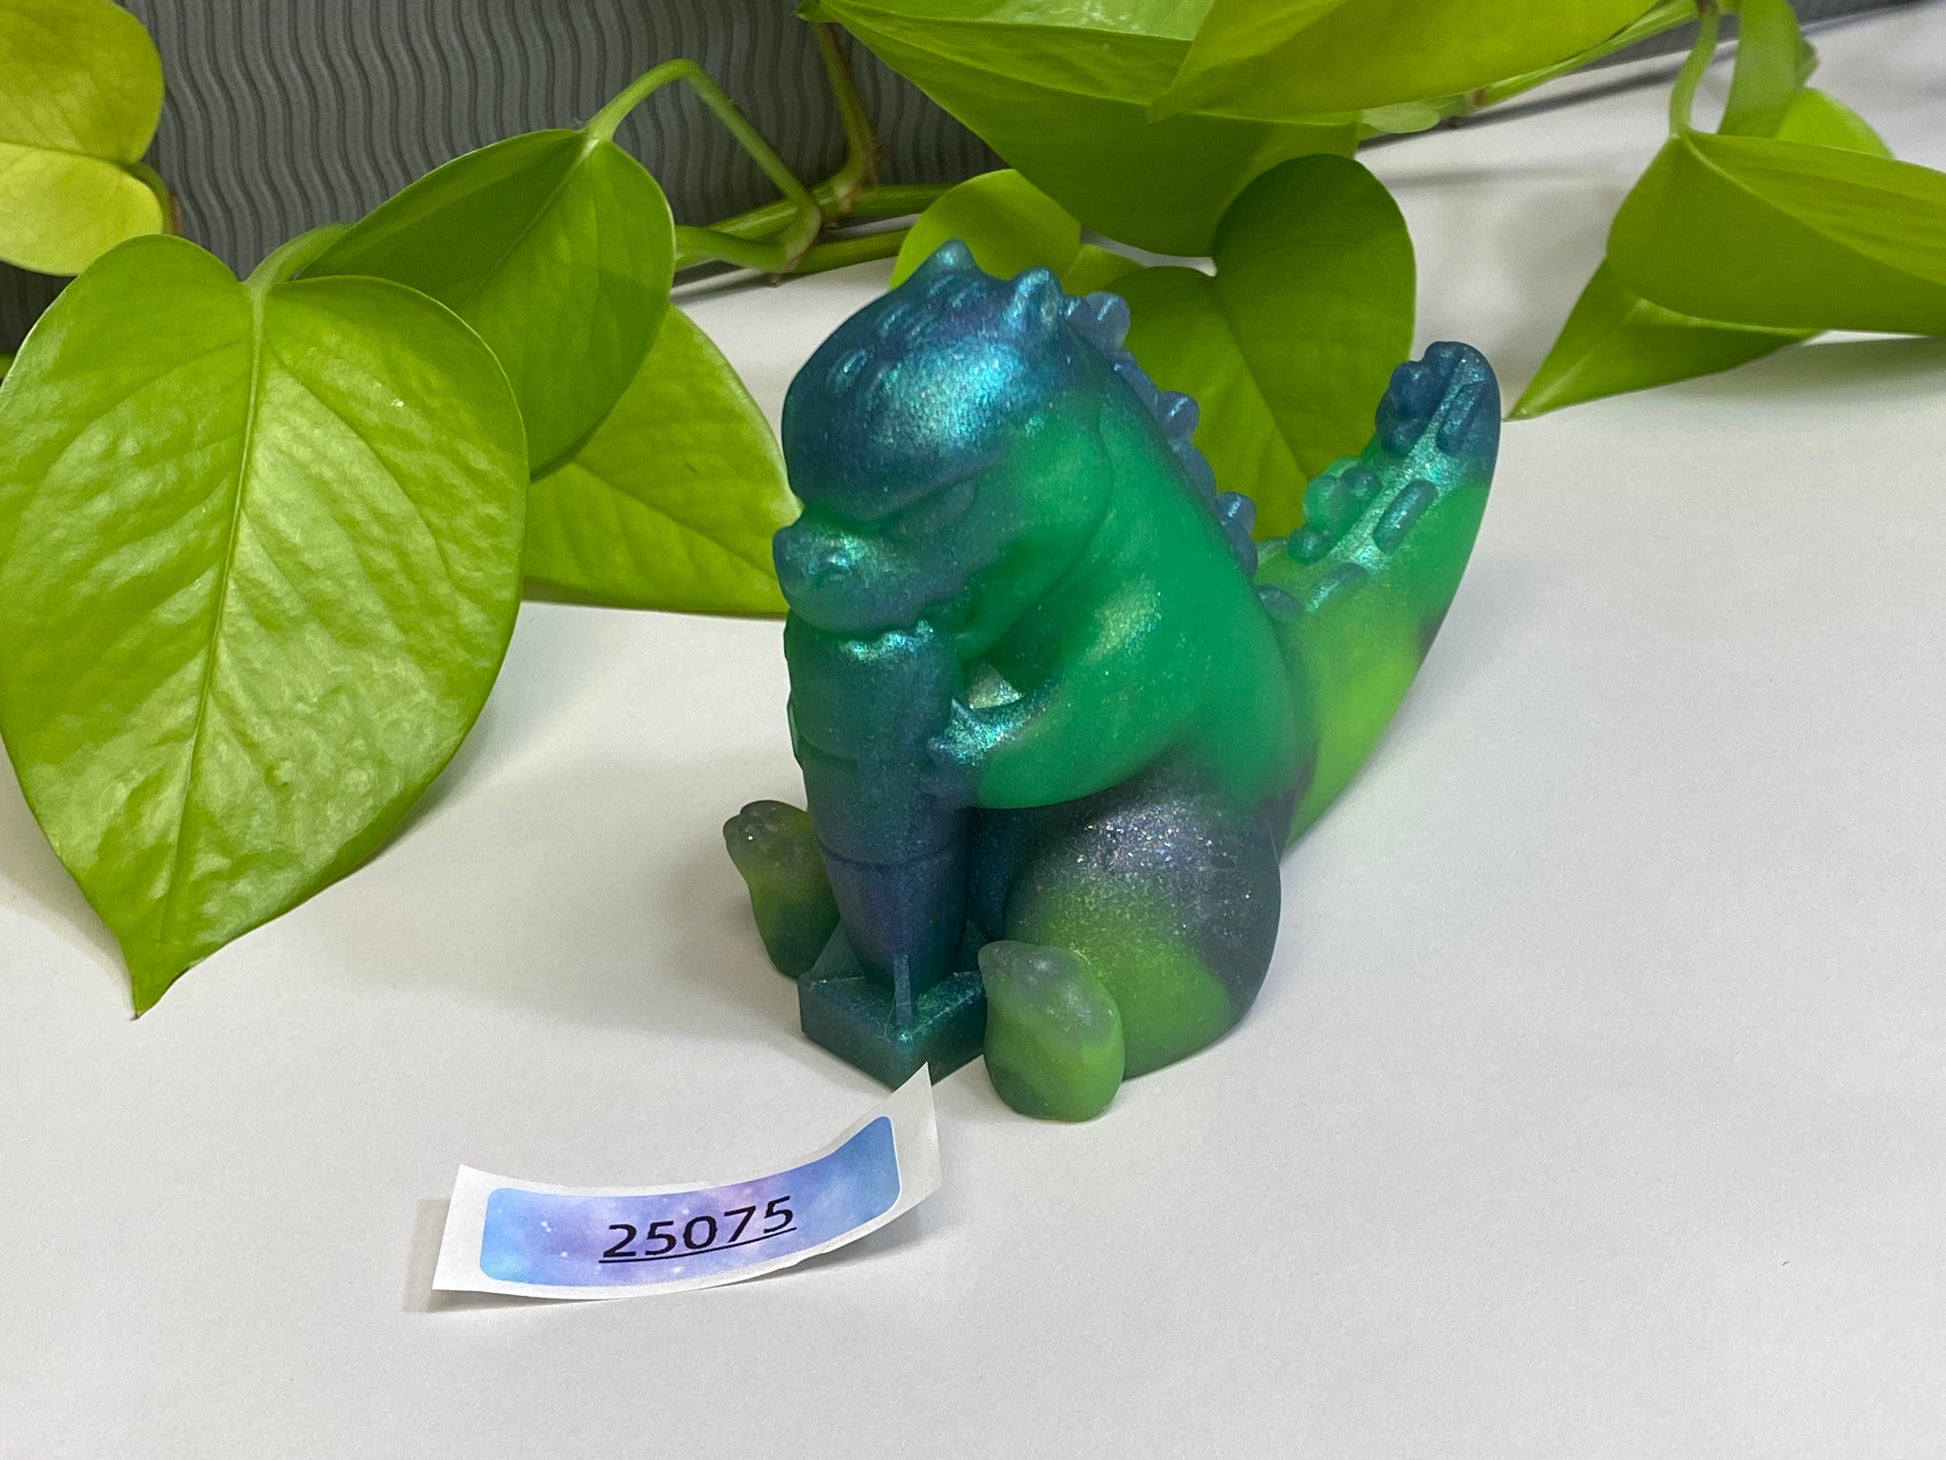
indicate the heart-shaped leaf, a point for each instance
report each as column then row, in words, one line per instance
column 1280, row 59
column 1006, row 221
column 672, row 501
column 1287, row 348
column 556, row 246
column 1615, row 340
column 259, row 561
column 1790, row 235
column 1061, row 90
column 80, row 94
column 1010, row 225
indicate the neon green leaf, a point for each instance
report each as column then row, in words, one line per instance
column 259, row 561
column 1289, row 346
column 556, row 246
column 1278, row 60
column 671, row 502
column 80, row 93
column 1061, row 90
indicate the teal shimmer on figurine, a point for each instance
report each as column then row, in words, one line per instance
column 1057, row 713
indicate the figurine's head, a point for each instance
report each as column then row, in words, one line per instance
column 948, row 467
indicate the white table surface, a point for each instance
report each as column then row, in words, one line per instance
column 1595, row 1105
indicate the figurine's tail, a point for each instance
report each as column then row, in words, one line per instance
column 1359, row 592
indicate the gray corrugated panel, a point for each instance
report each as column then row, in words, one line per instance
column 283, row 114
column 22, row 298
column 287, row 113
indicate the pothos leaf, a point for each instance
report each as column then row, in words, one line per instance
column 1821, row 119
column 1010, row 225
column 80, row 94
column 259, row 561
column 1275, row 60
column 1772, row 63
column 671, row 502
column 1061, row 89
column 556, row 246
column 1287, row 348
column 1761, row 231
column 1616, row 341
column 1233, row 35
column 1006, row 221
column 1096, row 268
column 1784, row 232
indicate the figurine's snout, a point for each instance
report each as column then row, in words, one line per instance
column 834, row 579
column 808, row 557
column 850, row 583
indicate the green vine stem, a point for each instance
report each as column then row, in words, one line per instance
column 1682, row 97
column 856, row 248
column 895, row 201
column 784, row 237
column 861, row 143
column 776, row 255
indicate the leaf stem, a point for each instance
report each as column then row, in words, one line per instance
column 861, row 143
column 783, row 237
column 882, row 202
column 288, row 258
column 1682, row 96
column 698, row 245
column 777, row 254
column 857, row 249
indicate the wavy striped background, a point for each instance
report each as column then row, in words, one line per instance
column 283, row 114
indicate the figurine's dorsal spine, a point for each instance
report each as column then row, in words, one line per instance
column 1101, row 320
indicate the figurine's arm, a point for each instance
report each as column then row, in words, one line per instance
column 1122, row 687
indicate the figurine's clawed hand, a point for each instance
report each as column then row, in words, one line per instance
column 957, row 752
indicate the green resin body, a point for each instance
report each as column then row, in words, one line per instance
column 1058, row 714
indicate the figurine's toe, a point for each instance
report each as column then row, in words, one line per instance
column 1054, row 1044
column 775, row 849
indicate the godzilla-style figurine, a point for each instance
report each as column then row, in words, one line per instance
column 1057, row 713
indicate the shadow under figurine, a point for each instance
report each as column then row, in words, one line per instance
column 1058, row 715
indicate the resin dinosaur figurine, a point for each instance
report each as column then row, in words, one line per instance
column 1057, row 713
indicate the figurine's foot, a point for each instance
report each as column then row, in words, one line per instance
column 865, row 1023
column 775, row 849
column 1361, row 589
column 1166, row 893
column 1054, row 1033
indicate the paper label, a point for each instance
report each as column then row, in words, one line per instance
column 522, row 1237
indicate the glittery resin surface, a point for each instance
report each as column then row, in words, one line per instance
column 1057, row 713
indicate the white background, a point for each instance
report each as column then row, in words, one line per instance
column 1595, row 1105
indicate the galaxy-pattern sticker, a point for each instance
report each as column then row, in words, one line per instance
column 560, row 1239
